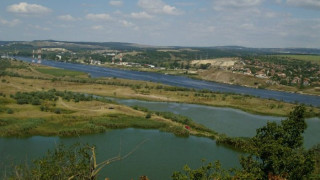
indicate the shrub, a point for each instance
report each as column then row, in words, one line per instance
column 57, row 111
column 148, row 116
column 10, row 111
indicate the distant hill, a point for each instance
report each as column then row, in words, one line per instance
column 74, row 46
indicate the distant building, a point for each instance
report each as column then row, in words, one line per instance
column 59, row 57
column 282, row 75
column 94, row 62
column 296, row 80
column 149, row 65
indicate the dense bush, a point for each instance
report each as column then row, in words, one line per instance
column 36, row 98
column 275, row 152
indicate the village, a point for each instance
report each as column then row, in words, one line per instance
column 285, row 72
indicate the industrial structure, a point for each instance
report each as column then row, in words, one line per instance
column 34, row 53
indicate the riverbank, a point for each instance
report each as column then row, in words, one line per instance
column 224, row 77
column 29, row 77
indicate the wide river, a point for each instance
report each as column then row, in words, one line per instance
column 181, row 81
column 162, row 153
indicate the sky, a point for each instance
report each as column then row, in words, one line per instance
column 250, row 23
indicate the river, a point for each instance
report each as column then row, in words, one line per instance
column 181, row 81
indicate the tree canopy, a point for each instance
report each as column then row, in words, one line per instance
column 276, row 152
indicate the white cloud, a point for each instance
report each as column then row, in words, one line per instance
column 98, row 27
column 141, row 15
column 314, row 4
column 67, row 17
column 9, row 23
column 158, row 6
column 41, row 28
column 28, row 9
column 116, row 3
column 235, row 4
column 126, row 23
column 97, row 17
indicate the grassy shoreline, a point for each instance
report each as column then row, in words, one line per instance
column 29, row 79
column 82, row 117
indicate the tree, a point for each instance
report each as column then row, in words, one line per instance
column 205, row 172
column 275, row 152
column 278, row 150
column 76, row 162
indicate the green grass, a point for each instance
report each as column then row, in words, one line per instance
column 18, row 127
column 60, row 72
column 68, row 125
column 311, row 58
column 116, row 121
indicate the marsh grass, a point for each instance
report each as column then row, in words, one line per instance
column 59, row 72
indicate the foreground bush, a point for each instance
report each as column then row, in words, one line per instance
column 275, row 152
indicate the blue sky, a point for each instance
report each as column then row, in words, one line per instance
column 251, row 23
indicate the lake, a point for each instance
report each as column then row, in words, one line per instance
column 162, row 153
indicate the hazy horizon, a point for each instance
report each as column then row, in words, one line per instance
column 207, row 23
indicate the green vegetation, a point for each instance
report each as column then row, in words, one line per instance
column 59, row 72
column 291, row 70
column 311, row 58
column 205, row 172
column 118, row 121
column 74, row 162
column 276, row 152
column 120, row 88
column 35, row 98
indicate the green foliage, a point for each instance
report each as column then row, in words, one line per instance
column 63, row 162
column 205, row 66
column 278, row 151
column 10, row 111
column 234, row 142
column 148, row 116
column 298, row 67
column 57, row 111
column 4, row 64
column 177, row 130
column 205, row 172
column 116, row 121
column 36, row 98
column 18, row 127
column 316, row 151
column 183, row 120
column 60, row 72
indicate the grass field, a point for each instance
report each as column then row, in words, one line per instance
column 311, row 58
column 59, row 72
column 75, row 118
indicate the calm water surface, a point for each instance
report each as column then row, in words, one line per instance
column 158, row 157
column 233, row 122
